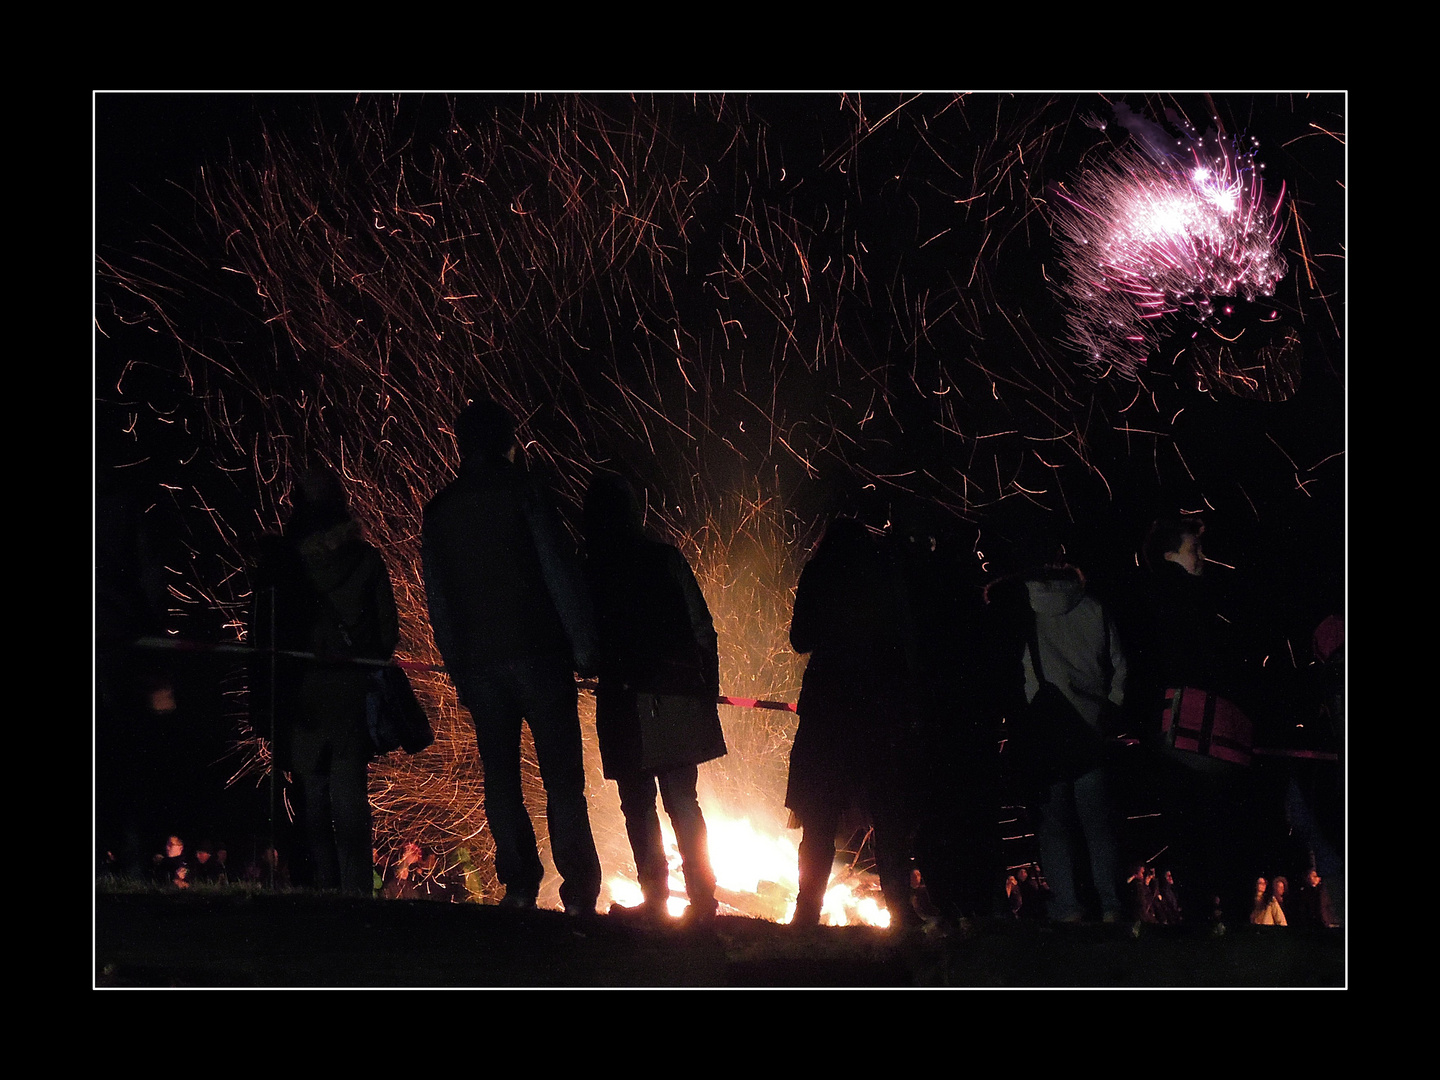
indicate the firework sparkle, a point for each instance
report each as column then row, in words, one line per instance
column 762, row 309
column 1162, row 230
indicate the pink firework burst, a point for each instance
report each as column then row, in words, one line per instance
column 1149, row 238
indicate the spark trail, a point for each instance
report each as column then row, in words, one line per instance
column 763, row 310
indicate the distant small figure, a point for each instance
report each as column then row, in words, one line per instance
column 1013, row 896
column 412, row 876
column 171, row 867
column 208, row 869
column 1312, row 907
column 1034, row 893
column 1265, row 908
column 1167, row 900
column 1279, row 892
column 268, row 868
column 1141, row 884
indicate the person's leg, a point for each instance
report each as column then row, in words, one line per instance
column 677, row 790
column 496, row 716
column 1057, row 827
column 817, row 857
column 893, row 838
column 549, row 702
column 350, row 807
column 319, row 826
column 1095, row 810
column 642, row 826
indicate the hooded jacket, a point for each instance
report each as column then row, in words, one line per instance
column 1080, row 652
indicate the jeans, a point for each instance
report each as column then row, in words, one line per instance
column 1075, row 826
column 540, row 692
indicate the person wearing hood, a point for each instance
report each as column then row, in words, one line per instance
column 655, row 709
column 857, row 712
column 321, row 589
column 1063, row 636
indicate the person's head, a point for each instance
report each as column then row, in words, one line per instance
column 485, row 429
column 174, row 847
column 1177, row 540
column 320, row 486
column 612, row 509
column 1313, row 878
column 319, row 501
column 1260, row 886
column 1278, row 887
column 1024, row 542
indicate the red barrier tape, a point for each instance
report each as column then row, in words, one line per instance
column 591, row 684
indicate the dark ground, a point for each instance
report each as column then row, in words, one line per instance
column 299, row 940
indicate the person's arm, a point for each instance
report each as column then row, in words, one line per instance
column 386, row 614
column 563, row 579
column 441, row 627
column 1119, row 663
column 806, row 619
column 702, row 623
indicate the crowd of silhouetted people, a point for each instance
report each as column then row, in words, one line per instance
column 934, row 695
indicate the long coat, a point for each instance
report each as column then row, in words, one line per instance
column 852, row 615
column 659, row 659
column 332, row 597
column 502, row 581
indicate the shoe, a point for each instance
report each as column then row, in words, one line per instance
column 698, row 919
column 805, row 916
column 581, row 911
column 641, row 916
column 517, row 902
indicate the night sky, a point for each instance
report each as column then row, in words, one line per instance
column 765, row 309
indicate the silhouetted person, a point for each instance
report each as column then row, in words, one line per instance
column 1051, row 630
column 1312, row 907
column 956, row 769
column 851, row 614
column 512, row 619
column 208, row 870
column 1265, row 905
column 172, row 868
column 1196, row 693
column 655, row 711
column 144, row 772
column 331, row 597
column 1167, row 900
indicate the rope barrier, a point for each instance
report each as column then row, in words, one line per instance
column 174, row 644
